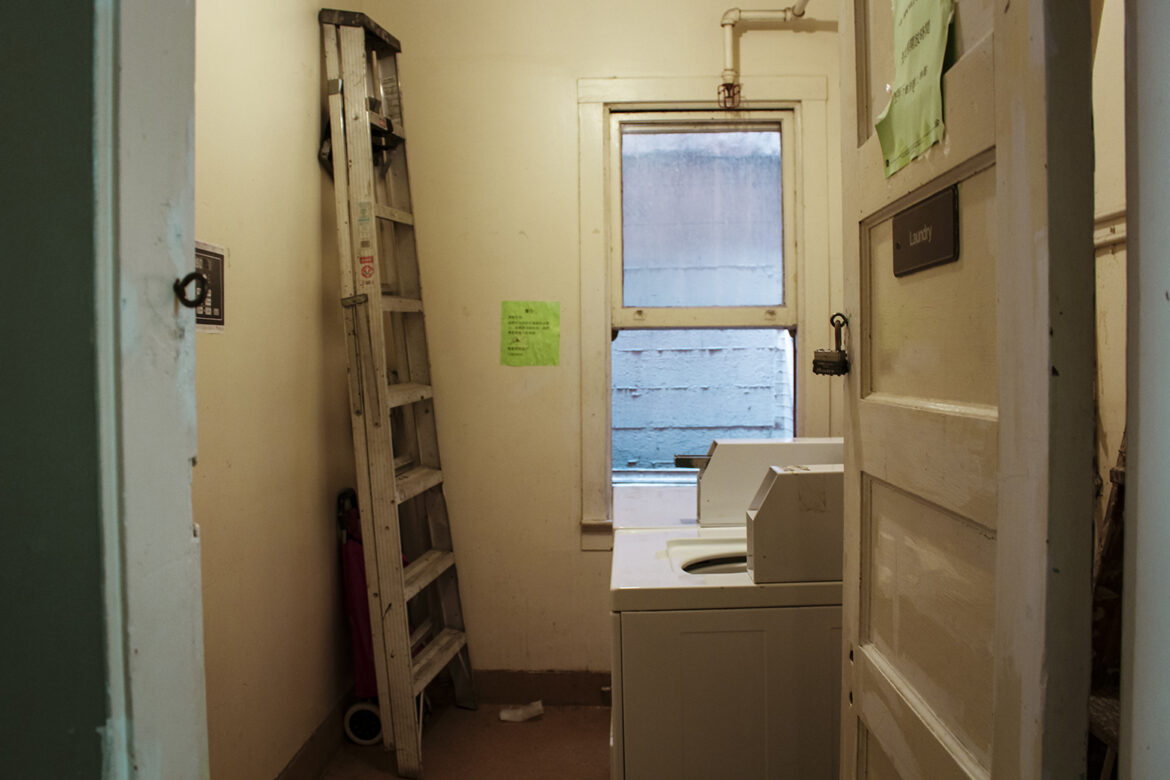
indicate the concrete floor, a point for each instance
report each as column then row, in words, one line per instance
column 567, row 743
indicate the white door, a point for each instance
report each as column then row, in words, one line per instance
column 968, row 478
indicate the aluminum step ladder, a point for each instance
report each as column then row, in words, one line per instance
column 415, row 613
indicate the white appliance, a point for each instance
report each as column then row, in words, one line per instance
column 796, row 524
column 715, row 676
column 731, row 472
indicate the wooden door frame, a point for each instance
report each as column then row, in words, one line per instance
column 144, row 219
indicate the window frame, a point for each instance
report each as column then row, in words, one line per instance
column 597, row 100
column 782, row 315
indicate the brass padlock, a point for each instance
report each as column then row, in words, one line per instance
column 833, row 362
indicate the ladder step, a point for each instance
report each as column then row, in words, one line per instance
column 378, row 121
column 425, row 570
column 398, row 303
column 416, row 481
column 394, row 215
column 435, row 657
column 420, row 632
column 408, row 393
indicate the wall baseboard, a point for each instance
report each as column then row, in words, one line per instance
column 311, row 760
column 504, row 686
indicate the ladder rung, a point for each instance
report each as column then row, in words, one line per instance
column 397, row 303
column 393, row 214
column 425, row 570
column 407, row 393
column 435, row 657
column 401, row 462
column 416, row 481
column 420, row 632
column 378, row 121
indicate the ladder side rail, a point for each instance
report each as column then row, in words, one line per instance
column 426, row 432
column 392, row 108
column 391, row 281
column 329, row 35
column 398, row 184
column 449, row 604
column 395, row 624
column 406, row 255
column 402, row 358
column 414, row 356
column 413, row 353
column 376, row 80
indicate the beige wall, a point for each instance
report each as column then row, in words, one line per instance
column 1109, row 132
column 1109, row 109
column 274, row 441
column 490, row 107
column 490, row 103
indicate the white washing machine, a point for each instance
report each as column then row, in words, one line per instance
column 715, row 676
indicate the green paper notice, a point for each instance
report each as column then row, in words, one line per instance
column 530, row 333
column 912, row 121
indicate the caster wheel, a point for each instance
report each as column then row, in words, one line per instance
column 363, row 724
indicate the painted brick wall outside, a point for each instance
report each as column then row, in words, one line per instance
column 676, row 390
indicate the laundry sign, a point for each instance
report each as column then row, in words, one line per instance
column 530, row 333
column 927, row 233
column 912, row 121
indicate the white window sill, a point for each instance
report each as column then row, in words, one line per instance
column 654, row 506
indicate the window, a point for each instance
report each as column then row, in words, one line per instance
column 666, row 293
column 700, row 205
column 674, row 391
column 702, row 215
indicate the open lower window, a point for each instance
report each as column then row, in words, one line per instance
column 676, row 390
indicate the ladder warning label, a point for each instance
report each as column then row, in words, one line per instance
column 530, row 333
column 365, row 236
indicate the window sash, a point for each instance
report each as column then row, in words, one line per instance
column 779, row 316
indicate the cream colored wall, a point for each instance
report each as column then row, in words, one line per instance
column 1109, row 109
column 1109, row 132
column 274, row 441
column 491, row 117
column 490, row 103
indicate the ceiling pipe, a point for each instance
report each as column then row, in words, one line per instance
column 730, row 88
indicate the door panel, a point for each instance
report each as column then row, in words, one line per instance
column 878, row 64
column 917, row 319
column 970, row 114
column 930, row 606
column 943, row 453
column 899, row 728
column 878, row 766
column 973, row 21
column 946, row 673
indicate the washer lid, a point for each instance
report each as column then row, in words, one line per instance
column 645, row 577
